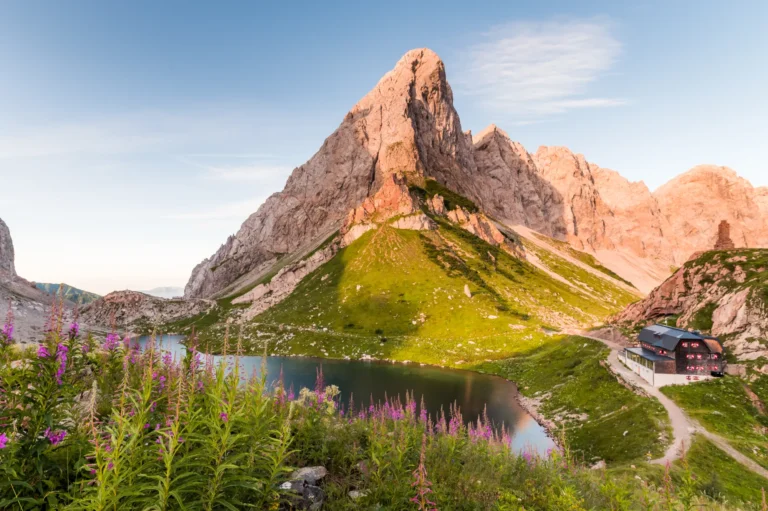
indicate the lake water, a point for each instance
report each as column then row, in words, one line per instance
column 439, row 387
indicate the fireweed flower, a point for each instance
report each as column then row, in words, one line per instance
column 42, row 351
column 224, row 417
column 8, row 327
column 111, row 342
column 55, row 437
column 74, row 330
column 3, row 440
column 61, row 357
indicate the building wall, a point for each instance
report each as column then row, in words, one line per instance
column 645, row 373
column 679, row 379
column 661, row 379
column 695, row 349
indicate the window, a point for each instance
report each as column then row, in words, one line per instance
column 714, row 356
column 690, row 356
column 698, row 356
column 694, row 345
column 685, row 345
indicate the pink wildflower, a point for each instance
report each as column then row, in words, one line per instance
column 421, row 482
column 3, row 440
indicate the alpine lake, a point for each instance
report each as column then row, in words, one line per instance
column 376, row 381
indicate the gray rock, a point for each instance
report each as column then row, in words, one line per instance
column 358, row 494
column 6, row 250
column 310, row 475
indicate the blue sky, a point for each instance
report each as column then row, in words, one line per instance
column 135, row 136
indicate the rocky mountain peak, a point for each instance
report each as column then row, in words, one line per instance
column 406, row 124
column 6, row 250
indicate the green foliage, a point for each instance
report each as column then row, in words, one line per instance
column 177, row 434
column 702, row 319
column 719, row 476
column 452, row 200
column 585, row 399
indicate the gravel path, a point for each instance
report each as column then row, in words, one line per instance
column 683, row 427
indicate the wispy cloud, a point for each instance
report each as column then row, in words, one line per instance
column 535, row 69
column 255, row 172
column 232, row 210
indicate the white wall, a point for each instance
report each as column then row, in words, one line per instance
column 659, row 379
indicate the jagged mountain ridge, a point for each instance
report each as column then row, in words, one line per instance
column 408, row 124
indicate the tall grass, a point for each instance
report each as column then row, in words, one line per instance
column 88, row 426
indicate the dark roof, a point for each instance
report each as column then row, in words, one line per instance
column 649, row 355
column 667, row 337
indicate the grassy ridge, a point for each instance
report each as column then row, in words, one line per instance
column 401, row 294
column 602, row 419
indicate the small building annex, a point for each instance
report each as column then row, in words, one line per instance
column 668, row 355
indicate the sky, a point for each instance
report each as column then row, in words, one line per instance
column 136, row 136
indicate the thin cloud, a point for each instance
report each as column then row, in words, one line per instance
column 236, row 210
column 256, row 172
column 535, row 69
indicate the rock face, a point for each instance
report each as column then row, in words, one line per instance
column 724, row 293
column 6, row 250
column 127, row 310
column 31, row 307
column 406, row 130
column 264, row 296
column 406, row 123
column 509, row 185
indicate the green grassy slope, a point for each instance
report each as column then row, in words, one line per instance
column 602, row 418
column 69, row 293
column 723, row 407
column 584, row 257
column 400, row 294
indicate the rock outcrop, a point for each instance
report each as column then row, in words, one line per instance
column 268, row 294
column 31, row 307
column 693, row 205
column 722, row 292
column 134, row 311
column 724, row 241
column 6, row 250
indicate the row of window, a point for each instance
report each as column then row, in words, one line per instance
column 702, row 368
column 691, row 344
column 640, row 360
column 701, row 356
